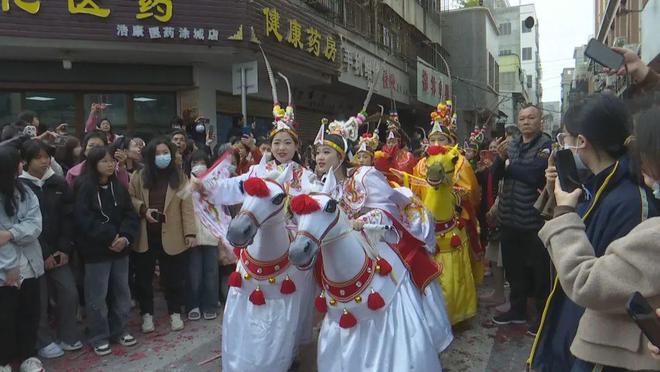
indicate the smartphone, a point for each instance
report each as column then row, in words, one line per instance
column 158, row 216
column 57, row 259
column 567, row 170
column 487, row 155
column 603, row 55
column 642, row 313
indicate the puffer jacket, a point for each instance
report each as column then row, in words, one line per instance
column 524, row 177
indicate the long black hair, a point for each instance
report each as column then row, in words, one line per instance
column 10, row 158
column 151, row 172
column 647, row 141
column 604, row 120
column 87, row 138
column 92, row 175
column 31, row 150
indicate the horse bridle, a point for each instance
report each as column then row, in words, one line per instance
column 320, row 240
column 251, row 215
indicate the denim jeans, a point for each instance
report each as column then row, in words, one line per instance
column 103, row 278
column 58, row 283
column 203, row 278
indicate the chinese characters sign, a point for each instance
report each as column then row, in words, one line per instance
column 297, row 35
column 159, row 9
column 359, row 67
column 432, row 85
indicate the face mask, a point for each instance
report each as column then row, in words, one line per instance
column 200, row 128
column 163, row 161
column 198, row 169
column 579, row 164
column 656, row 190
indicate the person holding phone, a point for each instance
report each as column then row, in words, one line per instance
column 601, row 279
column 104, row 125
column 167, row 231
column 56, row 239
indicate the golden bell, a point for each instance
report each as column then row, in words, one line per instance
column 378, row 268
column 333, row 302
column 271, row 280
column 247, row 276
column 358, row 299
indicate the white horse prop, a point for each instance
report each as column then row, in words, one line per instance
column 374, row 313
column 269, row 310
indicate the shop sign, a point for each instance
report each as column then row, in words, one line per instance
column 432, row 85
column 160, row 10
column 298, row 35
column 359, row 67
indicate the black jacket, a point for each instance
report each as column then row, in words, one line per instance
column 101, row 213
column 523, row 178
column 56, row 204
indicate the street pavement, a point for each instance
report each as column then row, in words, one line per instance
column 478, row 346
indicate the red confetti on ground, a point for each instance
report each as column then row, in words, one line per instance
column 137, row 356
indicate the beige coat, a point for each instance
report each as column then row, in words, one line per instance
column 179, row 216
column 606, row 335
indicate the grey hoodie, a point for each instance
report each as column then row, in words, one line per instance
column 25, row 227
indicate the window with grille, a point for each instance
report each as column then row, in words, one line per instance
column 526, row 54
column 505, row 28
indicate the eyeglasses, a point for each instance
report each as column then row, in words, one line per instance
column 561, row 138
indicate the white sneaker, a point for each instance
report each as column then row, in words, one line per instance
column 103, row 350
column 176, row 323
column 127, row 340
column 6, row 368
column 147, row 323
column 32, row 365
column 51, row 351
column 71, row 347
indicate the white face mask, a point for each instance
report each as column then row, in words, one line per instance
column 198, row 170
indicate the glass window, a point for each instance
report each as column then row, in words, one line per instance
column 152, row 113
column 529, row 81
column 526, row 54
column 10, row 107
column 53, row 108
column 116, row 109
column 525, row 29
column 505, row 28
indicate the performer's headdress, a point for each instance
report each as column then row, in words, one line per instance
column 284, row 119
column 443, row 121
column 368, row 143
column 476, row 139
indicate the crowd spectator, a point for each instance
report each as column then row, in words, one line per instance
column 56, row 240
column 134, row 154
column 248, row 153
column 104, row 125
column 92, row 140
column 596, row 132
column 68, row 153
column 607, row 338
column 107, row 226
column 21, row 265
column 180, row 140
column 521, row 163
column 167, row 231
column 203, row 278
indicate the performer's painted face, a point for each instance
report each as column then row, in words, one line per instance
column 283, row 147
column 439, row 140
column 364, row 159
column 326, row 157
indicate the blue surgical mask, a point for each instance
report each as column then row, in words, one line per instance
column 579, row 164
column 163, row 161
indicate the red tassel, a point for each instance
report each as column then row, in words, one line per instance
column 437, row 149
column 455, row 241
column 257, row 297
column 288, row 286
column 347, row 320
column 237, row 252
column 304, row 204
column 254, row 186
column 235, row 279
column 321, row 305
column 375, row 301
column 385, row 267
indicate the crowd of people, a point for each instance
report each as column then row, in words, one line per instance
column 86, row 225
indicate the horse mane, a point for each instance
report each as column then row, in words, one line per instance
column 255, row 186
column 304, row 204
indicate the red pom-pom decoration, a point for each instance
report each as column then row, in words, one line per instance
column 436, row 149
column 304, row 204
column 320, row 304
column 255, row 186
column 257, row 297
column 384, row 267
column 375, row 301
column 288, row 286
column 235, row 279
column 347, row 320
column 455, row 241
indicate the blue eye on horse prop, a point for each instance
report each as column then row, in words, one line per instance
column 278, row 199
column 240, row 186
column 331, row 207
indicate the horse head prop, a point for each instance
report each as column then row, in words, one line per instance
column 440, row 165
column 264, row 203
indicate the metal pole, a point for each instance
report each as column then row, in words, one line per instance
column 451, row 84
column 243, row 96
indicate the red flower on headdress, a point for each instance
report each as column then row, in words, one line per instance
column 255, row 186
column 304, row 204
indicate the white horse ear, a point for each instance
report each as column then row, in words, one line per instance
column 286, row 175
column 330, row 184
column 262, row 164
